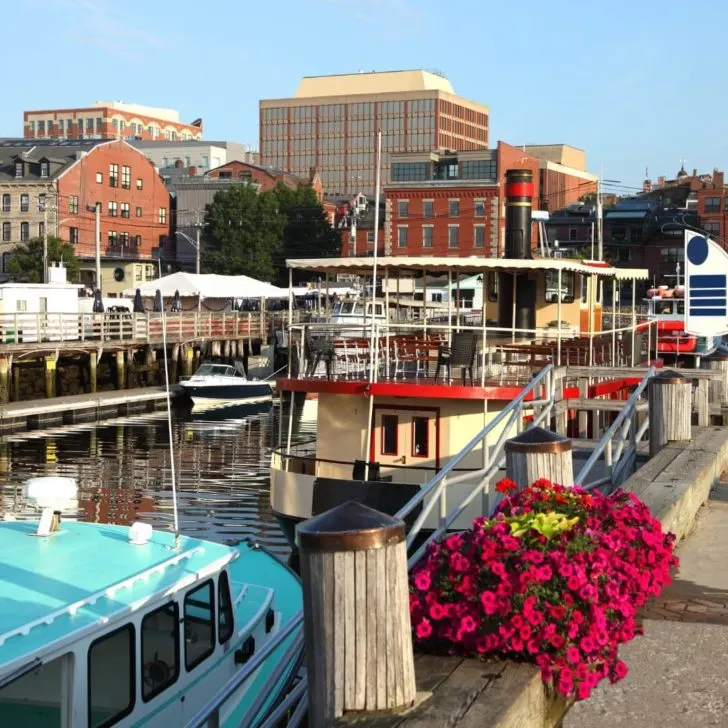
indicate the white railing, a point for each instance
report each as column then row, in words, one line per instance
column 618, row 445
column 434, row 492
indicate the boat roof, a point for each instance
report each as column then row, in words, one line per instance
column 462, row 265
column 56, row 588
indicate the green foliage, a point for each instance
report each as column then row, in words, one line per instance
column 26, row 262
column 253, row 234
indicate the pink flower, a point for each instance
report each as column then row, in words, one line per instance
column 422, row 580
column 620, row 670
column 573, row 655
column 424, row 629
column 437, row 611
column 468, row 624
column 557, row 641
column 587, row 645
column 583, row 691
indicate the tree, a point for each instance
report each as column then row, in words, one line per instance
column 308, row 232
column 26, row 262
column 243, row 233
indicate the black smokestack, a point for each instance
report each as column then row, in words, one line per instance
column 519, row 195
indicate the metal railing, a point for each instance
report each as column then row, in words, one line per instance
column 541, row 389
column 619, row 443
column 209, row 714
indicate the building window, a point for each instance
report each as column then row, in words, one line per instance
column 370, row 236
column 712, row 204
column 24, row 231
column 44, row 169
column 225, row 621
column 24, row 203
column 113, row 209
column 573, row 234
column 111, row 677
column 41, row 202
column 99, row 178
column 453, row 208
column 7, row 232
column 126, row 177
column 140, row 183
column 479, row 208
column 427, row 236
column 125, row 209
column 712, row 228
column 113, row 175
column 73, row 235
column 41, row 128
column 551, row 290
column 112, row 237
column 138, row 241
column 73, row 204
column 485, row 169
column 402, row 236
column 124, row 240
column 402, row 208
column 410, row 172
column 453, row 236
column 139, row 212
column 19, row 169
column 479, row 236
column 6, row 202
column 41, row 229
column 162, row 215
column 199, row 624
column 428, row 208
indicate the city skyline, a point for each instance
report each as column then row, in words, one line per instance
column 623, row 84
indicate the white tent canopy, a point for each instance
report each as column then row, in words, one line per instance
column 209, row 285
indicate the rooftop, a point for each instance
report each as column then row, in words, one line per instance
column 59, row 154
column 55, row 588
column 372, row 82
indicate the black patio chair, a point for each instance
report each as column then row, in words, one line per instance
column 360, row 468
column 460, row 354
column 318, row 350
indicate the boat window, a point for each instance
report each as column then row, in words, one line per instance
column 390, row 424
column 199, row 625
column 552, row 287
column 681, row 307
column 600, row 290
column 379, row 310
column 224, row 609
column 337, row 309
column 215, row 369
column 160, row 650
column 37, row 697
column 347, row 308
column 584, row 288
column 665, row 307
column 111, row 680
column 420, row 437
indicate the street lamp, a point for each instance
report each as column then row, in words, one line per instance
column 195, row 245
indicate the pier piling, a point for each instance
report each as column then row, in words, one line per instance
column 356, row 613
column 670, row 406
column 539, row 453
column 92, row 362
column 4, row 380
column 50, row 376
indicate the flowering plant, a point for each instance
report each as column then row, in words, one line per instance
column 555, row 577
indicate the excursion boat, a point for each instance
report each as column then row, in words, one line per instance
column 411, row 399
column 225, row 383
column 104, row 625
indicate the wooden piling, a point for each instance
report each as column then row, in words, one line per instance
column 669, row 396
column 188, row 360
column 92, row 366
column 215, row 348
column 539, row 453
column 718, row 389
column 702, row 402
column 174, row 363
column 4, row 380
column 120, row 371
column 356, row 613
column 50, row 376
column 16, row 383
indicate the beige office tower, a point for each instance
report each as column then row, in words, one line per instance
column 331, row 125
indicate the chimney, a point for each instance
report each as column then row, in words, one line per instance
column 718, row 178
column 192, row 171
column 695, row 172
column 661, row 181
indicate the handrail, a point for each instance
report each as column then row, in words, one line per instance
column 209, row 710
column 628, row 410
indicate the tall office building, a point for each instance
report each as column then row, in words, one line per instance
column 331, row 124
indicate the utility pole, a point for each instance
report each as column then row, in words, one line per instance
column 97, row 235
column 45, row 241
column 600, row 248
column 197, row 249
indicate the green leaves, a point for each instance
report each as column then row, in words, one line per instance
column 26, row 262
column 547, row 524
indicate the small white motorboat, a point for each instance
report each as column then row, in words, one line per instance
column 225, row 383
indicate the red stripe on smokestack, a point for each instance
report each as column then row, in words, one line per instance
column 519, row 189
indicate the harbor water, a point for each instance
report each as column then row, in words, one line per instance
column 123, row 468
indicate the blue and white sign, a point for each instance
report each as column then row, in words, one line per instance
column 706, row 278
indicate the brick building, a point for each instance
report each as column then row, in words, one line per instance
column 109, row 120
column 331, row 123
column 355, row 218
column 62, row 183
column 267, row 177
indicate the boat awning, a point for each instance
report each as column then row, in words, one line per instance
column 209, row 285
column 364, row 266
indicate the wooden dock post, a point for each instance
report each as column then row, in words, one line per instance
column 539, row 453
column 702, row 402
column 16, row 383
column 669, row 396
column 356, row 613
column 189, row 354
column 4, row 380
column 582, row 416
column 174, row 362
column 718, row 389
column 120, row 368
column 92, row 366
column 50, row 376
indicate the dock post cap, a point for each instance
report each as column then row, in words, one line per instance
column 537, row 439
column 670, row 376
column 352, row 526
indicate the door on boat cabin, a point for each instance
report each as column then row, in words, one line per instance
column 405, row 442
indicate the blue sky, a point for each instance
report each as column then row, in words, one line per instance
column 633, row 83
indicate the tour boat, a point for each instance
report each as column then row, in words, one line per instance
column 225, row 383
column 410, row 399
column 106, row 625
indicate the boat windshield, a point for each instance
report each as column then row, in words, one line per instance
column 345, row 308
column 215, row 370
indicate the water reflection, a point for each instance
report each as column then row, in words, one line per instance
column 123, row 469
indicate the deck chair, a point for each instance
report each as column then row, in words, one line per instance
column 460, row 354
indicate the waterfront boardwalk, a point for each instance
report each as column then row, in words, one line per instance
column 677, row 669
